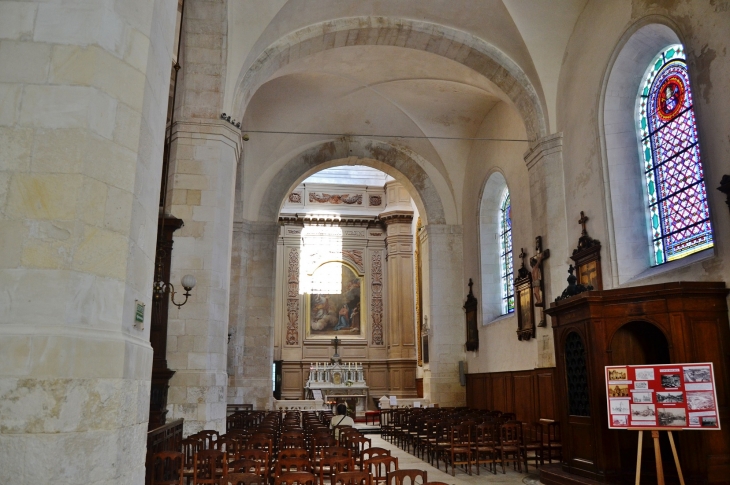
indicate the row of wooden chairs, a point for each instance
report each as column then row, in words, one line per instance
column 460, row 437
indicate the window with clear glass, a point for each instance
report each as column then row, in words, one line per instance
column 679, row 215
column 505, row 255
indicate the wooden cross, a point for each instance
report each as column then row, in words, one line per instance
column 582, row 221
column 522, row 256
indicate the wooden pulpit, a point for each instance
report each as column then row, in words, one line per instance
column 657, row 324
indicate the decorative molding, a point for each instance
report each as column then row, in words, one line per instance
column 292, row 302
column 376, row 200
column 353, row 256
column 335, row 199
column 396, row 217
column 295, row 198
column 376, row 298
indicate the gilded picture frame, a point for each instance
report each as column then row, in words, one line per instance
column 330, row 315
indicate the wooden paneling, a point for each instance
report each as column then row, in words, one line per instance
column 529, row 394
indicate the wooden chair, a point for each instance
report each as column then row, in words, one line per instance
column 230, row 445
column 242, row 479
column 190, row 446
column 509, row 444
column 352, row 478
column 167, row 468
column 290, row 465
column 210, row 465
column 245, row 465
column 531, row 447
column 372, row 453
column 208, row 437
column 552, row 445
column 379, row 467
column 331, row 465
column 459, row 450
column 293, row 453
column 358, row 444
column 296, row 478
column 483, row 448
column 407, row 477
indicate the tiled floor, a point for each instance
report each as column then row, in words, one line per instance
column 406, row 460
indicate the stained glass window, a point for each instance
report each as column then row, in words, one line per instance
column 679, row 216
column 505, row 255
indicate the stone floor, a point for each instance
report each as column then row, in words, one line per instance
column 406, row 460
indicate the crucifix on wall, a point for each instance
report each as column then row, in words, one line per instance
column 538, row 287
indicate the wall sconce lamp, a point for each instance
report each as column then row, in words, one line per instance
column 160, row 288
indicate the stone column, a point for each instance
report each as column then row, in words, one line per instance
column 252, row 322
column 203, row 159
column 203, row 179
column 444, row 295
column 83, row 94
column 547, row 197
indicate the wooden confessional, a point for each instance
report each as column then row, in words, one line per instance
column 656, row 324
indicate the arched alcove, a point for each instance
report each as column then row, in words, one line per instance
column 626, row 193
column 489, row 246
column 638, row 343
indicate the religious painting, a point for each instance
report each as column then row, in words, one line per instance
column 523, row 297
column 334, row 306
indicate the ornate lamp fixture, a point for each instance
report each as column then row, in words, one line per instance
column 160, row 287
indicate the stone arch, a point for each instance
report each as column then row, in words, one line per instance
column 448, row 42
column 625, row 198
column 404, row 166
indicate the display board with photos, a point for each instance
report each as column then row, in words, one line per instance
column 678, row 396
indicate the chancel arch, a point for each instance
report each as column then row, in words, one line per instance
column 430, row 194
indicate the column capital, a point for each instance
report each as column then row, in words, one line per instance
column 396, row 217
column 543, row 147
column 209, row 130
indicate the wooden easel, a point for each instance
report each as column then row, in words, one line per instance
column 657, row 454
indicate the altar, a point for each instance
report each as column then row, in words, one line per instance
column 339, row 382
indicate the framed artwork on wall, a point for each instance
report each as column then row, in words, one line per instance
column 334, row 308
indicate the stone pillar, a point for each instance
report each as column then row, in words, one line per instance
column 203, row 160
column 252, row 322
column 547, row 197
column 83, row 94
column 203, row 179
column 401, row 285
column 444, row 295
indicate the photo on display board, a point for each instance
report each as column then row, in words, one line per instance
column 619, row 420
column 669, row 397
column 618, row 390
column 709, row 421
column 644, row 374
column 700, row 401
column 619, row 406
column 643, row 412
column 671, row 381
column 642, row 397
column 641, row 385
column 697, row 374
column 672, row 417
column 617, row 374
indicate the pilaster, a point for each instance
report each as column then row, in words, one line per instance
column 547, row 197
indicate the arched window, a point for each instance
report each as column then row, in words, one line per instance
column 505, row 254
column 679, row 216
